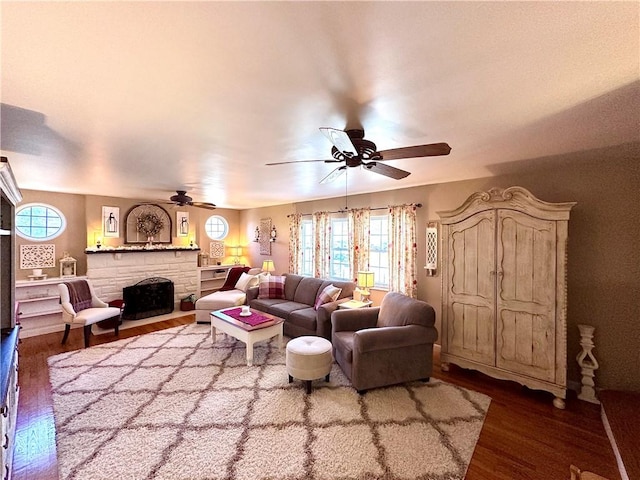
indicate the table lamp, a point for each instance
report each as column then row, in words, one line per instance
column 365, row 280
column 268, row 266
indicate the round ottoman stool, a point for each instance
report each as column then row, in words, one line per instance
column 308, row 358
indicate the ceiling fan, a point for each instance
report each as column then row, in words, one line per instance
column 350, row 147
column 181, row 199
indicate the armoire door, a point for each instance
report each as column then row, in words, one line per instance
column 471, row 288
column 526, row 289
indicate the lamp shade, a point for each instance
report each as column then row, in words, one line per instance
column 268, row 266
column 365, row 279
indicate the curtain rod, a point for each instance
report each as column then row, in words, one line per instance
column 418, row 205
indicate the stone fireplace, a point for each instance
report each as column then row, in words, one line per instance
column 112, row 271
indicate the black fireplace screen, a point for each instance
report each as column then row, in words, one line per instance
column 148, row 298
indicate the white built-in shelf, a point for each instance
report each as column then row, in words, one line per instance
column 211, row 278
column 39, row 305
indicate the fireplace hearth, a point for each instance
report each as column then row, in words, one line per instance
column 148, row 298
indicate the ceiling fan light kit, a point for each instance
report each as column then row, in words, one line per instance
column 350, row 147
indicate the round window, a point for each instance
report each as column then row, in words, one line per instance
column 216, row 227
column 39, row 221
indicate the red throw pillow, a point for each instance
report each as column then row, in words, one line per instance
column 271, row 287
column 232, row 277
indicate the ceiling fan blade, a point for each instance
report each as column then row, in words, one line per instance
column 207, row 205
column 334, row 174
column 429, row 150
column 340, row 140
column 301, row 161
column 386, row 170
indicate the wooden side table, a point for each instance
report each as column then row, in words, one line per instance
column 355, row 304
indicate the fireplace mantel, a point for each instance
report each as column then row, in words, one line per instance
column 154, row 249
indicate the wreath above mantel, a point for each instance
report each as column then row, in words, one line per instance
column 149, row 224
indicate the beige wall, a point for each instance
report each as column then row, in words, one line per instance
column 197, row 219
column 604, row 257
column 249, row 219
column 72, row 240
column 84, row 223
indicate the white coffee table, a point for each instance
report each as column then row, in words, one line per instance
column 244, row 332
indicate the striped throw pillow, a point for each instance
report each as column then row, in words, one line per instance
column 330, row 293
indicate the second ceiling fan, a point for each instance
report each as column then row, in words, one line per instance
column 350, row 147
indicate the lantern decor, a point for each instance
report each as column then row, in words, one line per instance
column 67, row 266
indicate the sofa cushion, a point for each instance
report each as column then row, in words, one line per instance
column 266, row 304
column 304, row 317
column 221, row 299
column 291, row 285
column 284, row 309
column 328, row 294
column 307, row 290
column 272, row 287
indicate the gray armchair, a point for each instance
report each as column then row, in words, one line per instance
column 385, row 345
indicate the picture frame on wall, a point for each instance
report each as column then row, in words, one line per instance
column 110, row 222
column 182, row 224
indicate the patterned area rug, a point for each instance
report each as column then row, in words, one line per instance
column 173, row 405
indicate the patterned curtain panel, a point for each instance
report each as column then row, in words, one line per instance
column 295, row 244
column 322, row 240
column 403, row 250
column 359, row 234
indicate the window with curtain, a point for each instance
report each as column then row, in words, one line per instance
column 379, row 249
column 386, row 246
column 340, row 267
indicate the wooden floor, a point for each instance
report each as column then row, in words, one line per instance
column 523, row 437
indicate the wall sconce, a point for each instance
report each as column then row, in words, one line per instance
column 256, row 237
column 273, row 234
column 432, row 249
column 365, row 280
column 268, row 266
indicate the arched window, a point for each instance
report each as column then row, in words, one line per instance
column 39, row 221
column 216, row 227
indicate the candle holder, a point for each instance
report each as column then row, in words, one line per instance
column 587, row 363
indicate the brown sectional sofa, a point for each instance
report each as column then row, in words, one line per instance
column 300, row 318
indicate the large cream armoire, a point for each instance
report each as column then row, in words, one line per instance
column 504, row 265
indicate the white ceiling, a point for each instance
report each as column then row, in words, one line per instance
column 141, row 98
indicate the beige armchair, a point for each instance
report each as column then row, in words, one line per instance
column 385, row 345
column 80, row 306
